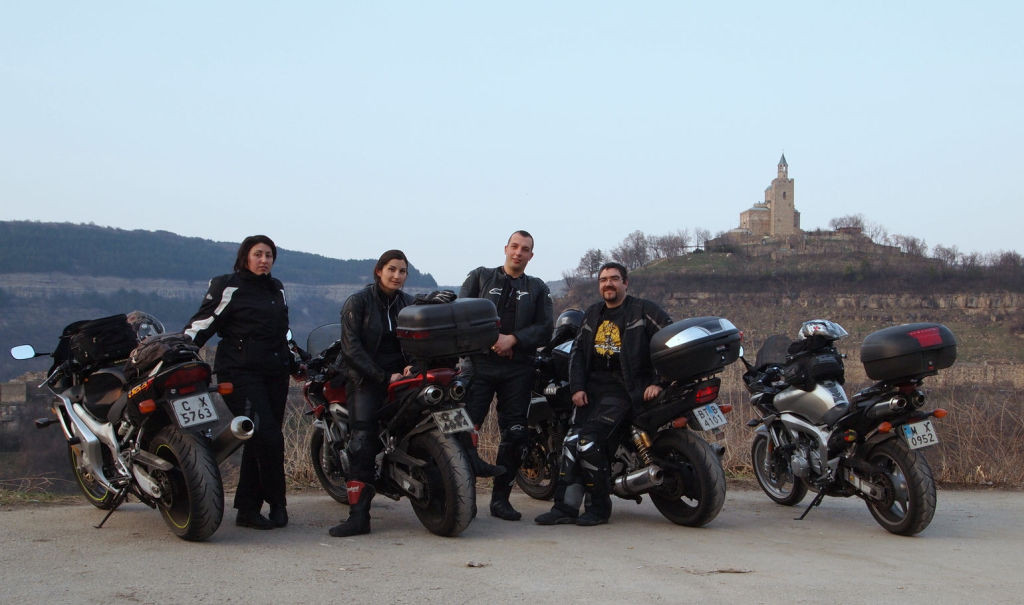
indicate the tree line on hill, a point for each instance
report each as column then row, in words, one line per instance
column 37, row 247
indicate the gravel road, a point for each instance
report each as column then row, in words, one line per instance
column 754, row 552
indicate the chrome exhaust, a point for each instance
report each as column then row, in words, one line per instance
column 432, row 395
column 638, row 482
column 231, row 437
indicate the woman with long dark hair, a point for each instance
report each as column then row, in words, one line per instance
column 373, row 358
column 248, row 310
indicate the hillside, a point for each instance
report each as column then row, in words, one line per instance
column 865, row 291
column 33, row 247
column 47, row 281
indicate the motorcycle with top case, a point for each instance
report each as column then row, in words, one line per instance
column 810, row 436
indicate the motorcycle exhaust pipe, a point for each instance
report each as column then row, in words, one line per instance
column 638, row 482
column 432, row 395
column 457, row 390
column 231, row 437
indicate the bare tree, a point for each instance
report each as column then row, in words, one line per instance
column 670, row 244
column 570, row 279
column 855, row 221
column 948, row 255
column 701, row 236
column 590, row 262
column 909, row 244
column 633, row 251
column 1008, row 260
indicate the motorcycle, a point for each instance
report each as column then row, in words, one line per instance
column 810, row 436
column 139, row 420
column 420, row 456
column 660, row 453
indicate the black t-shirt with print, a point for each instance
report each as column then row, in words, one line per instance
column 608, row 340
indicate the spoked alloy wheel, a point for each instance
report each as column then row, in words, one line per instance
column 327, row 467
column 536, row 476
column 773, row 474
column 693, row 492
column 95, row 493
column 908, row 505
column 192, row 500
column 449, row 503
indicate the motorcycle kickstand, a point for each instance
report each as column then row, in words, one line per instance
column 817, row 500
column 119, row 499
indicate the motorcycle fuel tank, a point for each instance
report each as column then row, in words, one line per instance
column 812, row 405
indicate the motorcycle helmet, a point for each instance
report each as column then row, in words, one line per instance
column 567, row 326
column 144, row 324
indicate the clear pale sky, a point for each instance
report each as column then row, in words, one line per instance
column 347, row 128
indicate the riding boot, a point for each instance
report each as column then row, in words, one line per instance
column 598, row 504
column 500, row 506
column 480, row 467
column 358, row 522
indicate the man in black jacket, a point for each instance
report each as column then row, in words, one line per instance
column 610, row 375
column 524, row 306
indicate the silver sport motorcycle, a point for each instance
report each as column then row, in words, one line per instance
column 810, row 436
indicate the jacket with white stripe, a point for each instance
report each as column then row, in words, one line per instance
column 250, row 314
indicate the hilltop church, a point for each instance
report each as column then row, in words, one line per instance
column 776, row 216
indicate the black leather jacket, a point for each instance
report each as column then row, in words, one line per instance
column 642, row 319
column 250, row 314
column 534, row 320
column 361, row 333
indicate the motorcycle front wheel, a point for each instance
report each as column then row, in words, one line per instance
column 693, row 490
column 449, row 502
column 774, row 475
column 536, row 476
column 327, row 467
column 94, row 491
column 908, row 504
column 192, row 494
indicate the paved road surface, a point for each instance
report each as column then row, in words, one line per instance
column 754, row 552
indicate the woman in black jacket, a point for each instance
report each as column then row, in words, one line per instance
column 248, row 310
column 373, row 358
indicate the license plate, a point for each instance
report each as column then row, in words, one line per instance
column 920, row 434
column 194, row 410
column 709, row 416
column 453, row 421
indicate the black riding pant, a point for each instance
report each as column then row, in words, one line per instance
column 364, row 402
column 262, row 398
column 512, row 382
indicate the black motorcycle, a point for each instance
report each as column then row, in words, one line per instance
column 811, row 436
column 139, row 420
column 661, row 453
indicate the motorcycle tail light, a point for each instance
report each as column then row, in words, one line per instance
column 885, row 427
column 147, row 406
column 679, row 423
column 939, row 413
column 225, row 388
column 707, row 394
column 187, row 376
column 725, row 408
column 413, row 334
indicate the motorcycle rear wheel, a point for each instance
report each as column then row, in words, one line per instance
column 95, row 493
column 332, row 478
column 536, row 476
column 693, row 493
column 192, row 503
column 778, row 483
column 909, row 501
column 450, row 500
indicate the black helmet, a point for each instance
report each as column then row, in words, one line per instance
column 144, row 324
column 567, row 326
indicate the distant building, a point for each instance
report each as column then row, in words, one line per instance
column 776, row 216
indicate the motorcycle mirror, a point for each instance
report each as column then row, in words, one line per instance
column 23, row 352
column 288, row 335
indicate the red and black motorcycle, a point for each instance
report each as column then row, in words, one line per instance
column 419, row 455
